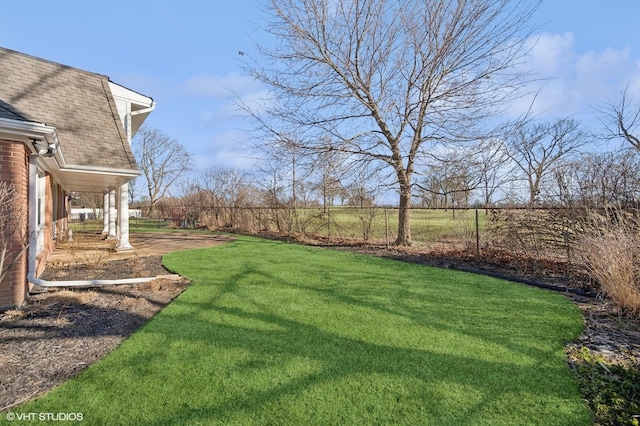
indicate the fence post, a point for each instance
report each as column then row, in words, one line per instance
column 386, row 227
column 477, row 235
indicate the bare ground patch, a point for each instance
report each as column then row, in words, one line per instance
column 60, row 332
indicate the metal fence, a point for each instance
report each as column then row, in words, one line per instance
column 538, row 235
column 372, row 224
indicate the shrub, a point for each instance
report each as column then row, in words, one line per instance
column 611, row 253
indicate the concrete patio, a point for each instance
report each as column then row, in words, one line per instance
column 88, row 245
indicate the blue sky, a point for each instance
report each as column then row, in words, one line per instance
column 184, row 54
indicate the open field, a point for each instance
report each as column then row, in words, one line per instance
column 382, row 223
column 375, row 223
column 135, row 224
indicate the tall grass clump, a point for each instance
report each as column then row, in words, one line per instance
column 611, row 252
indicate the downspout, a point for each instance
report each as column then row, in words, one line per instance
column 87, row 283
column 33, row 218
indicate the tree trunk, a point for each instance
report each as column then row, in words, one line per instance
column 404, row 217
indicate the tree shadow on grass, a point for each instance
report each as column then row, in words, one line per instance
column 232, row 317
column 334, row 360
column 254, row 346
column 496, row 312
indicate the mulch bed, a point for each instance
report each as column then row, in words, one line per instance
column 59, row 333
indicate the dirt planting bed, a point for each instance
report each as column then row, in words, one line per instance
column 59, row 332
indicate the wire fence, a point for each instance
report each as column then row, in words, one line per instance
column 537, row 234
column 371, row 224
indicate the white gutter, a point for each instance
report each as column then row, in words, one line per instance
column 99, row 170
column 29, row 129
column 33, row 132
column 137, row 112
column 144, row 110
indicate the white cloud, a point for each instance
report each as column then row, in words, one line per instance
column 551, row 53
column 572, row 83
column 229, row 111
column 235, row 160
column 634, row 83
column 218, row 97
column 228, row 148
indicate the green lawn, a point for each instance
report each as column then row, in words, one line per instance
column 282, row 334
column 135, row 224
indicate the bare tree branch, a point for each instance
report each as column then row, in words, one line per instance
column 13, row 234
column 162, row 160
column 622, row 119
column 536, row 147
column 386, row 81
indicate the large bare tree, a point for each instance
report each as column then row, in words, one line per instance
column 386, row 81
column 163, row 161
column 535, row 148
column 622, row 119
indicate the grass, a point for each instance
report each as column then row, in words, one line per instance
column 135, row 224
column 274, row 333
column 426, row 224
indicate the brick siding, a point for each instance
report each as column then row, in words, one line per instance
column 14, row 168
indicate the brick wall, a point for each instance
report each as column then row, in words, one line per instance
column 14, row 168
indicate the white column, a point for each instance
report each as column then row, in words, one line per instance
column 112, row 215
column 32, row 252
column 105, row 213
column 123, row 219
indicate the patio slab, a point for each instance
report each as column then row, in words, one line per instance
column 87, row 245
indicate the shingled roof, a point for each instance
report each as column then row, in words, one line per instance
column 77, row 103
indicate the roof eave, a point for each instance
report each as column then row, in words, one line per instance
column 71, row 177
column 25, row 129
